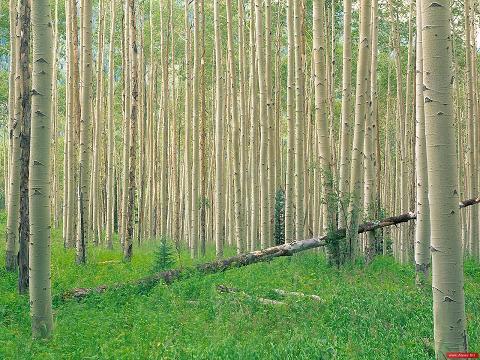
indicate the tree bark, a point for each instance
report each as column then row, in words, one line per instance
column 446, row 247
column 25, row 124
column 219, row 155
column 422, row 230
column 130, row 215
column 40, row 284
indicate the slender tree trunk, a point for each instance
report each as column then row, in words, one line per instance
column 447, row 259
column 290, row 201
column 127, row 126
column 219, row 155
column 85, row 127
column 235, row 135
column 55, row 195
column 422, row 230
column 195, row 132
column 40, row 284
column 14, row 138
column 25, row 124
column 254, row 179
column 321, row 119
column 133, row 49
column 260, row 52
column 299, row 123
column 111, row 128
column 164, row 175
column 345, row 148
column 270, row 121
column 187, row 139
column 96, row 178
column 362, row 98
column 473, row 242
column 370, row 190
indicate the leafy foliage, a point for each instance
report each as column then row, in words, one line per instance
column 367, row 312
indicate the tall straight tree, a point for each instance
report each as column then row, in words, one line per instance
column 40, row 284
column 130, row 215
column 195, row 213
column 290, row 171
column 321, row 120
column 86, row 111
column 362, row 98
column 24, row 124
column 345, row 147
column 14, row 137
column 446, row 247
column 219, row 225
column 299, row 123
column 422, row 230
column 262, row 87
column 470, row 48
column 254, row 208
column 111, row 125
column 235, row 133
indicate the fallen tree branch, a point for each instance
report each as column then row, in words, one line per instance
column 229, row 290
column 253, row 257
column 297, row 294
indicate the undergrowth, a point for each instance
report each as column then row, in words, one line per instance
column 365, row 312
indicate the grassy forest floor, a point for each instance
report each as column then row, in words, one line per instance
column 372, row 312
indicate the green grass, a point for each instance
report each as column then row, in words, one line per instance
column 370, row 312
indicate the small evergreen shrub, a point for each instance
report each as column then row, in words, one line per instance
column 164, row 257
column 279, row 218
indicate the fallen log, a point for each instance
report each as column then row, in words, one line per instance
column 253, row 257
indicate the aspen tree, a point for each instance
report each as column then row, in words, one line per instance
column 299, row 124
column 133, row 49
column 290, row 177
column 12, row 23
column 39, row 263
column 345, row 147
column 369, row 199
column 74, row 125
column 254, row 171
column 473, row 242
column 126, row 119
column 175, row 213
column 187, row 156
column 25, row 124
column 96, row 232
column 447, row 260
column 260, row 52
column 203, row 135
column 195, row 134
column 164, row 175
column 111, row 131
column 270, row 120
column 362, row 97
column 403, row 253
column 219, row 226
column 422, row 230
column 235, row 134
column 152, row 137
column 243, row 117
column 68, row 108
column 321, row 120
column 54, row 202
column 85, row 127
column 14, row 155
